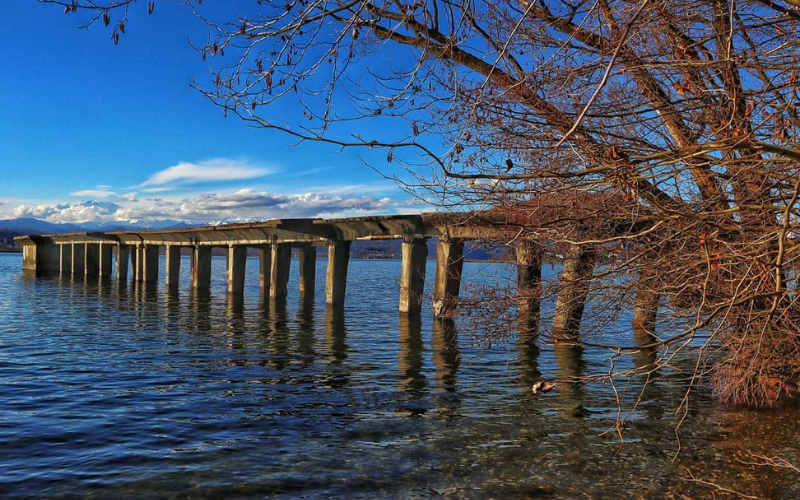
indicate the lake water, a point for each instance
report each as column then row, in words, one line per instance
column 111, row 392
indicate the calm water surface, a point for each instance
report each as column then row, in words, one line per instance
column 123, row 392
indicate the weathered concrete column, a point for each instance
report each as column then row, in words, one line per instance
column 264, row 269
column 412, row 275
column 237, row 258
column 529, row 255
column 173, row 265
column 308, row 271
column 137, row 261
column 201, row 268
column 40, row 256
column 447, row 284
column 578, row 268
column 150, row 261
column 78, row 259
column 645, row 307
column 279, row 275
column 336, row 275
column 123, row 259
column 91, row 256
column 106, row 250
column 65, row 258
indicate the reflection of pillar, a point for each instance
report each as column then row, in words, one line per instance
column 173, row 265
column 336, row 276
column 150, row 260
column 123, row 258
column 410, row 358
column 237, row 258
column 574, row 288
column 78, row 262
column 264, row 269
column 445, row 354
column 281, row 263
column 201, row 267
column 412, row 275
column 91, row 259
column 65, row 259
column 106, row 250
column 645, row 307
column 336, row 334
column 446, row 287
column 529, row 256
column 308, row 271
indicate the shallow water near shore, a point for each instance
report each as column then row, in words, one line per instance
column 115, row 391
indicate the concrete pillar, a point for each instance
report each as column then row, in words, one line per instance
column 40, row 256
column 412, row 275
column 336, row 275
column 574, row 288
column 137, row 262
column 308, row 271
column 106, row 250
column 91, row 256
column 65, row 259
column 447, row 284
column 264, row 269
column 78, row 259
column 645, row 307
column 201, row 268
column 279, row 275
column 237, row 258
column 529, row 255
column 150, row 260
column 173, row 265
column 123, row 259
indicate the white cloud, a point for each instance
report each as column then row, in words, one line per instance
column 214, row 170
column 237, row 206
column 94, row 193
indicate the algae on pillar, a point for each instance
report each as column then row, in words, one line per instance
column 447, row 284
column 412, row 274
column 576, row 277
column 336, row 276
column 237, row 259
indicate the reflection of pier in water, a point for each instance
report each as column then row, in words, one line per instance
column 92, row 254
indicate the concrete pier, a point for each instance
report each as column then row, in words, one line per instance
column 173, row 268
column 201, row 268
column 645, row 307
column 265, row 269
column 281, row 264
column 308, row 271
column 65, row 259
column 106, row 251
column 336, row 276
column 149, row 272
column 574, row 288
column 123, row 260
column 91, row 256
column 528, row 256
column 237, row 259
column 78, row 259
column 412, row 275
column 447, row 284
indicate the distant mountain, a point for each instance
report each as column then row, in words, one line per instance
column 29, row 225
column 36, row 226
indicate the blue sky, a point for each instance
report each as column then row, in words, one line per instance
column 91, row 131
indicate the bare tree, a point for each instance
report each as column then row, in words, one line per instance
column 672, row 124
